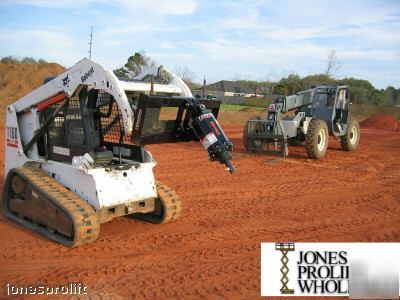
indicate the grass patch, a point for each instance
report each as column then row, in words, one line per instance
column 237, row 107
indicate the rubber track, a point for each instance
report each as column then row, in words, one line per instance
column 171, row 203
column 86, row 227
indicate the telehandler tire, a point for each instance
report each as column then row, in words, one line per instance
column 248, row 142
column 317, row 138
column 350, row 140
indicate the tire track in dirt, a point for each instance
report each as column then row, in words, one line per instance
column 213, row 251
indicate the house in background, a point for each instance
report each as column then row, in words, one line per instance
column 225, row 88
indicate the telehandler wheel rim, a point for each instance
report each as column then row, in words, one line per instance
column 353, row 135
column 321, row 139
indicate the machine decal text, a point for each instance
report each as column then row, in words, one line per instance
column 12, row 137
column 87, row 74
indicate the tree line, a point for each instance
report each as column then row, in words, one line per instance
column 25, row 60
column 361, row 91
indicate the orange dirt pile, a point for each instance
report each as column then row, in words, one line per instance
column 213, row 250
column 382, row 122
column 17, row 80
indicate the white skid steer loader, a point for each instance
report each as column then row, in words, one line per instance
column 75, row 155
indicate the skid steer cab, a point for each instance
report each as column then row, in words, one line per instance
column 75, row 155
column 309, row 118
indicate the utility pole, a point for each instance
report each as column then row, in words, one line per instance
column 91, row 42
column 204, row 88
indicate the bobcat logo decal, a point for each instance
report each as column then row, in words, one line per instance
column 66, row 81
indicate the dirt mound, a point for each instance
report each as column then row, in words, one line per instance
column 383, row 122
column 17, row 80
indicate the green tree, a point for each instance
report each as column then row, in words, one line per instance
column 122, row 73
column 390, row 95
column 361, row 91
column 317, row 79
column 134, row 66
column 397, row 98
column 378, row 97
column 9, row 60
column 28, row 60
column 289, row 85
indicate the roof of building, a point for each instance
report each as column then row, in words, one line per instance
column 229, row 86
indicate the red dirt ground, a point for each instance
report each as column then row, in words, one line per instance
column 383, row 122
column 213, row 250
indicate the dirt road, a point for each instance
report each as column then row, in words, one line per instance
column 214, row 249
